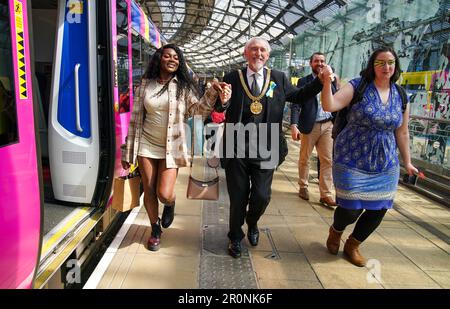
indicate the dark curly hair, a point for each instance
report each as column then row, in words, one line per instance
column 369, row 72
column 185, row 81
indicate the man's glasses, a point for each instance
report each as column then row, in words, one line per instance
column 382, row 63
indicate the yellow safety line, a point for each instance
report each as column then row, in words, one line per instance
column 65, row 253
column 53, row 239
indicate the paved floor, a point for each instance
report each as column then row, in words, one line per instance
column 410, row 249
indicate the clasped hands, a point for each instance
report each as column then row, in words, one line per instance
column 326, row 74
column 224, row 91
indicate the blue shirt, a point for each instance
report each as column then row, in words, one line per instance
column 321, row 114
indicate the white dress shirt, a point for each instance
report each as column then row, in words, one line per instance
column 259, row 79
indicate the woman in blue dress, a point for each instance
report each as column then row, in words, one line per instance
column 365, row 164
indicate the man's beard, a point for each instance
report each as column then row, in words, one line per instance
column 317, row 70
column 258, row 65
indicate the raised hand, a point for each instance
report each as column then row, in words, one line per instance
column 326, row 74
column 224, row 92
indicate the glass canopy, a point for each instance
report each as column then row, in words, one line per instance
column 212, row 33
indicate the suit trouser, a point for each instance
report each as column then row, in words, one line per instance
column 250, row 185
column 319, row 137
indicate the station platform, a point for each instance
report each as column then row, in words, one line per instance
column 410, row 249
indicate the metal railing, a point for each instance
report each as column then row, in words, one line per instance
column 430, row 154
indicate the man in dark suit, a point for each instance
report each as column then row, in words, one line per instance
column 315, row 126
column 255, row 111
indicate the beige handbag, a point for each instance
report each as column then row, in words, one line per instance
column 199, row 189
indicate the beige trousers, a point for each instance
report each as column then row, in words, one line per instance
column 320, row 137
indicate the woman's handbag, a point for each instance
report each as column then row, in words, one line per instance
column 127, row 191
column 200, row 189
column 203, row 190
column 214, row 141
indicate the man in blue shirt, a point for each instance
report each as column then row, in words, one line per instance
column 315, row 126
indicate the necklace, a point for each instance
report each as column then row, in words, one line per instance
column 256, row 106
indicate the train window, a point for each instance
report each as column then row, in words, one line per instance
column 8, row 113
column 138, row 69
column 123, row 78
column 142, row 51
column 147, row 53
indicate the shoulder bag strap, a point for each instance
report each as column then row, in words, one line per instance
column 403, row 96
column 193, row 147
column 359, row 92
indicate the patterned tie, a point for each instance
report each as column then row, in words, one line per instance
column 255, row 88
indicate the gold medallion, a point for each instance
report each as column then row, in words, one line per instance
column 256, row 107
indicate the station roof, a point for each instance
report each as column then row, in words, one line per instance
column 212, row 33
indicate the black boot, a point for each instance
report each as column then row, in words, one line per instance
column 167, row 216
column 155, row 236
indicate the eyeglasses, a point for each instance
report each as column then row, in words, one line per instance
column 382, row 63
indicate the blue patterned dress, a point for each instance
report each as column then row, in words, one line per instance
column 365, row 164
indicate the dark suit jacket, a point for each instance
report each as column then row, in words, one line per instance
column 284, row 91
column 304, row 114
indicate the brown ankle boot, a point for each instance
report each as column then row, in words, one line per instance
column 352, row 252
column 334, row 240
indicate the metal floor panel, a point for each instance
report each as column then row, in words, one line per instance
column 215, row 240
column 218, row 270
column 225, row 272
column 215, row 213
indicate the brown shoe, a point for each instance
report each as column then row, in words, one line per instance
column 334, row 240
column 328, row 201
column 352, row 252
column 304, row 194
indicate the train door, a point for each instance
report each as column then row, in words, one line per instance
column 71, row 57
column 73, row 115
column 20, row 207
